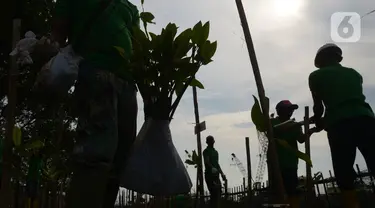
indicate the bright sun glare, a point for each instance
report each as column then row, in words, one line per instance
column 287, row 8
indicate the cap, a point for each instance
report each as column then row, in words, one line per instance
column 330, row 46
column 286, row 104
column 327, row 49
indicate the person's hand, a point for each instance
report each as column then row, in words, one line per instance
column 319, row 124
column 312, row 120
column 223, row 177
column 313, row 130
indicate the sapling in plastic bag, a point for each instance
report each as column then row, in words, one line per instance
column 163, row 69
column 155, row 166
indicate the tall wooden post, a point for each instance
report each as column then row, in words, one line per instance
column 277, row 184
column 6, row 190
column 309, row 183
column 249, row 176
column 200, row 188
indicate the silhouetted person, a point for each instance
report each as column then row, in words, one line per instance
column 212, row 172
column 348, row 118
column 288, row 160
column 105, row 95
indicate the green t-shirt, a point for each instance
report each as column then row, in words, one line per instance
column 213, row 157
column 111, row 28
column 287, row 158
column 340, row 89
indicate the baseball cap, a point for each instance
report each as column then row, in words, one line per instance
column 286, row 104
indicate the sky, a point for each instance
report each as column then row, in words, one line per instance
column 286, row 35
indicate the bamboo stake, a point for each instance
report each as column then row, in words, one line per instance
column 277, row 184
column 200, row 188
column 249, row 176
column 5, row 192
column 309, row 184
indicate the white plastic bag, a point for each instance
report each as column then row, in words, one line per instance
column 60, row 73
column 155, row 167
column 23, row 49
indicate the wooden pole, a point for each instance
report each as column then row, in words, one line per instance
column 6, row 190
column 309, row 183
column 200, row 188
column 249, row 176
column 277, row 186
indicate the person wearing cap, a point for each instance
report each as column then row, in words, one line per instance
column 288, row 160
column 348, row 119
column 212, row 171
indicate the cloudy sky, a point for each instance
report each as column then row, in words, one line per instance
column 286, row 35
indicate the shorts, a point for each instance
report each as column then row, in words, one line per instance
column 213, row 183
column 344, row 138
column 290, row 179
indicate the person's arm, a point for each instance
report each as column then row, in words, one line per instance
column 302, row 137
column 361, row 80
column 318, row 107
column 220, row 170
column 60, row 22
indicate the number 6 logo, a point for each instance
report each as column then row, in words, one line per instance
column 345, row 27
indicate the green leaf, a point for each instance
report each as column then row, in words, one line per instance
column 121, row 51
column 207, row 51
column 182, row 43
column 196, row 83
column 298, row 153
column 189, row 162
column 17, row 136
column 153, row 35
column 205, row 32
column 195, row 157
column 37, row 144
column 147, row 17
column 179, row 88
column 257, row 116
column 141, row 42
column 197, row 32
column 201, row 33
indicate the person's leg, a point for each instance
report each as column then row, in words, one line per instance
column 216, row 191
column 210, row 187
column 290, row 180
column 127, row 132
column 96, row 145
column 343, row 151
column 366, row 142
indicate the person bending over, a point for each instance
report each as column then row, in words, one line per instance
column 348, row 119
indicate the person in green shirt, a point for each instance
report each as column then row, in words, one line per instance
column 213, row 171
column 288, row 160
column 105, row 94
column 348, row 119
